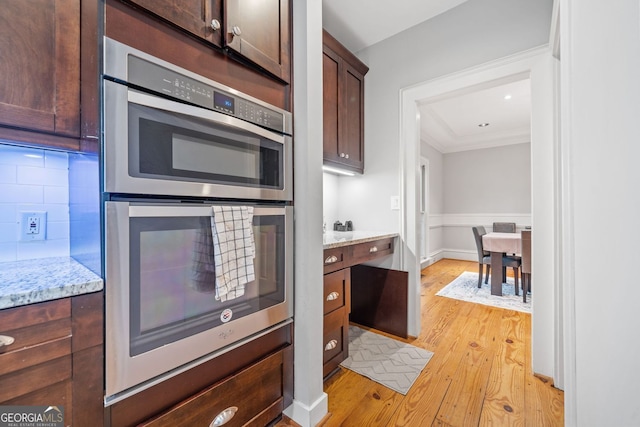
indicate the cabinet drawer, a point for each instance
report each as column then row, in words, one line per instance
column 334, row 333
column 369, row 250
column 255, row 394
column 334, row 259
column 336, row 290
column 335, row 340
column 41, row 332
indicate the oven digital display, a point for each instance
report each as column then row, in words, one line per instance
column 223, row 102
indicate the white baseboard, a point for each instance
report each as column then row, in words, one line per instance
column 460, row 254
column 308, row 416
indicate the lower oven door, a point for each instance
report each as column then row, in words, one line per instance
column 184, row 282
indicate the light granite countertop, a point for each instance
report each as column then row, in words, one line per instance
column 336, row 239
column 39, row 280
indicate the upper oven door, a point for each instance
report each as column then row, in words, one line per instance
column 156, row 146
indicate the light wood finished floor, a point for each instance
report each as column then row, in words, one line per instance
column 480, row 374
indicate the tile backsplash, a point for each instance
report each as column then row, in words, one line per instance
column 33, row 180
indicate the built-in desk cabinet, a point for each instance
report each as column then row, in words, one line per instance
column 338, row 264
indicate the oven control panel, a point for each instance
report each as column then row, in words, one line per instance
column 159, row 79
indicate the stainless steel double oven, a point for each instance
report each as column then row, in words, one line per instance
column 198, row 219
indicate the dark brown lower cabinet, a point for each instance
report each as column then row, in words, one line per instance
column 379, row 299
column 254, row 383
column 56, row 357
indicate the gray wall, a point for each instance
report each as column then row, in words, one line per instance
column 473, row 33
column 462, row 196
column 492, row 180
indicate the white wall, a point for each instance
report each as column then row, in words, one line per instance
column 600, row 69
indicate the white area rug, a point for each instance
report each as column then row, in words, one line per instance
column 465, row 288
column 392, row 363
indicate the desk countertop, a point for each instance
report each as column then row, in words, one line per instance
column 39, row 280
column 336, row 239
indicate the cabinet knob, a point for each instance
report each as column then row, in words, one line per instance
column 224, row 417
column 346, row 156
column 341, row 154
column 331, row 259
column 330, row 345
column 6, row 340
column 333, row 296
column 235, row 30
column 215, row 25
column 373, row 249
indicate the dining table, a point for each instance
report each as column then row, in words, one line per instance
column 499, row 244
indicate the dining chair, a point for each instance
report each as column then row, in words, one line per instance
column 484, row 258
column 504, row 227
column 525, row 267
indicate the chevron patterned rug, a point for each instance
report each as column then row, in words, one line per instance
column 392, row 363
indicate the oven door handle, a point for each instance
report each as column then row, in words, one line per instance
column 155, row 102
column 160, row 211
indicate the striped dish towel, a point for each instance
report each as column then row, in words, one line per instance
column 234, row 247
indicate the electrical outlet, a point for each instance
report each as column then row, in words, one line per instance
column 33, row 226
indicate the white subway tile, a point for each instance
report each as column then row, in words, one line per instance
column 56, row 160
column 57, row 177
column 29, row 175
column 16, row 193
column 8, row 174
column 56, row 212
column 8, row 252
column 42, row 249
column 56, row 195
column 12, row 155
column 8, row 212
column 8, row 232
column 57, row 230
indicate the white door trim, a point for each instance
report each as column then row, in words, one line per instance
column 506, row 69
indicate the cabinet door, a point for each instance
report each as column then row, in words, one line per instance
column 199, row 17
column 259, row 31
column 330, row 104
column 352, row 141
column 39, row 70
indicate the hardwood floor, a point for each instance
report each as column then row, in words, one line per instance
column 480, row 374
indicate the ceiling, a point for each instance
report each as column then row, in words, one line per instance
column 453, row 123
column 449, row 124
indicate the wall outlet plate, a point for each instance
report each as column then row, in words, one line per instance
column 33, row 226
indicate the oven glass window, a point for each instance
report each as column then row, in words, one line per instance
column 173, row 278
column 176, row 147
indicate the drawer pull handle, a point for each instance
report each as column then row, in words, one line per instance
column 331, row 259
column 330, row 345
column 333, row 296
column 224, row 417
column 373, row 249
column 6, row 340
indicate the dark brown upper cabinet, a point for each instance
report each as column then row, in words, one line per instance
column 258, row 31
column 39, row 70
column 343, row 106
column 202, row 18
